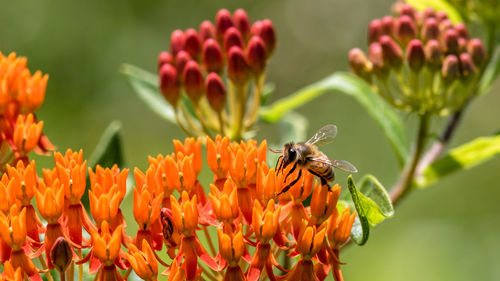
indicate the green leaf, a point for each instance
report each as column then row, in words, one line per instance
column 351, row 85
column 460, row 158
column 266, row 92
column 145, row 85
column 490, row 73
column 439, row 5
column 372, row 208
column 109, row 149
column 293, row 127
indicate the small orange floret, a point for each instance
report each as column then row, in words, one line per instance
column 106, row 245
column 143, row 262
column 50, row 201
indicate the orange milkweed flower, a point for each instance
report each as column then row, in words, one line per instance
column 11, row 274
column 143, row 261
column 219, row 158
column 177, row 273
column 232, row 248
column 103, row 179
column 147, row 215
column 225, row 203
column 191, row 146
column 27, row 134
column 105, row 207
column 338, row 231
column 323, row 203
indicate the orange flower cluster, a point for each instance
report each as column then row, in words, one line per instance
column 172, row 208
column 21, row 94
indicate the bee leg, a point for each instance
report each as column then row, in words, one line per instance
column 322, row 179
column 286, row 188
column 291, row 170
column 280, row 161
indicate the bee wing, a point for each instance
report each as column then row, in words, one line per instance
column 324, row 135
column 339, row 164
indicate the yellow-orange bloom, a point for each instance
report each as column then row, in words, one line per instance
column 50, row 201
column 27, row 133
column 225, row 202
column 310, row 241
column 191, row 146
column 143, row 262
column 177, row 273
column 265, row 223
column 103, row 179
column 106, row 206
column 185, row 214
column 146, row 207
column 218, row 156
column 24, row 181
column 231, row 247
column 323, row 203
column 106, row 245
column 13, row 228
column 339, row 227
column 11, row 274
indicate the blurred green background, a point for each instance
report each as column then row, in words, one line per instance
column 447, row 232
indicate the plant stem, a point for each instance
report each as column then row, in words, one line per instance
column 257, row 93
column 62, row 276
column 405, row 183
column 80, row 267
column 209, row 240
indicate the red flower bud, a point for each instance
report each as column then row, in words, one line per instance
column 242, row 22
column 216, row 92
column 61, row 254
column 450, row 41
column 430, row 29
column 212, row 56
column 256, row 55
column 268, row 36
column 475, row 48
column 451, row 68
column 236, row 66
column 163, row 58
column 176, row 41
column 256, row 28
column 408, row 10
column 462, row 30
column 445, row 25
column 223, row 21
column 387, row 25
column 360, row 65
column 232, row 38
column 181, row 60
column 391, row 51
column 415, row 55
column 405, row 29
column 192, row 43
column 374, row 30
column 169, row 85
column 466, row 65
column 375, row 55
column 433, row 53
column 441, row 15
column 193, row 81
column 462, row 45
column 206, row 30
column 429, row 13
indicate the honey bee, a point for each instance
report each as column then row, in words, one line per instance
column 306, row 156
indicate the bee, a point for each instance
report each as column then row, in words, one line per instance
column 306, row 156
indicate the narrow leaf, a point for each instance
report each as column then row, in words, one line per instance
column 351, row 85
column 145, row 85
column 460, row 158
column 267, row 92
column 438, row 5
column 109, row 148
column 490, row 73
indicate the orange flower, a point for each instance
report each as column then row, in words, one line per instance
column 225, row 202
column 191, row 146
column 232, row 248
column 11, row 274
column 105, row 207
column 177, row 273
column 338, row 231
column 105, row 178
column 219, row 157
column 185, row 214
column 27, row 133
column 143, row 262
column 323, row 203
column 147, row 215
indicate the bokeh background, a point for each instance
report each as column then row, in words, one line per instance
column 449, row 231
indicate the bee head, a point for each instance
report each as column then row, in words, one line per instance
column 290, row 154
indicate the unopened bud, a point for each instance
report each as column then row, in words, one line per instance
column 445, row 25
column 359, row 63
column 192, row 43
column 181, row 60
column 236, row 66
column 451, row 68
column 206, row 30
column 61, row 254
column 169, row 84
column 405, row 29
column 374, row 30
column 387, row 25
column 232, row 38
column 176, row 41
column 462, row 30
column 212, row 56
column 193, row 81
column 163, row 58
column 462, row 45
column 256, row 28
column 408, row 10
column 376, row 57
column 433, row 53
column 441, row 15
column 256, row 55
column 223, row 21
column 430, row 30
column 216, row 92
column 475, row 48
column 466, row 65
column 268, row 36
column 242, row 22
column 391, row 51
column 450, row 41
column 415, row 55
column 429, row 13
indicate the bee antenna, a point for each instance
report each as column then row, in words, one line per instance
column 275, row 151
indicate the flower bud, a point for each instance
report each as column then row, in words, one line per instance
column 475, row 48
column 441, row 16
column 391, row 52
column 193, row 81
column 466, row 65
column 462, row 30
column 445, row 25
column 360, row 65
column 415, row 55
column 256, row 55
column 462, row 45
column 451, row 68
column 232, row 38
column 405, row 29
column 268, row 36
column 61, row 254
column 176, row 41
column 256, row 28
column 450, row 41
column 375, row 55
column 223, row 21
column 169, row 85
column 181, row 60
column 212, row 56
column 163, row 58
column 242, row 22
column 206, row 30
column 387, row 25
column 433, row 53
column 374, row 30
column 429, row 13
column 216, row 92
column 192, row 43
column 408, row 10
column 430, row 30
column 236, row 66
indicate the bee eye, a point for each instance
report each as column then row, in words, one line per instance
column 292, row 154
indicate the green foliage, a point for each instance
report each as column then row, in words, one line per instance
column 351, row 85
column 109, row 149
column 372, row 204
column 438, row 5
column 463, row 157
column 490, row 73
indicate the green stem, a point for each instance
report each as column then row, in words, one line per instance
column 239, row 113
column 257, row 93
